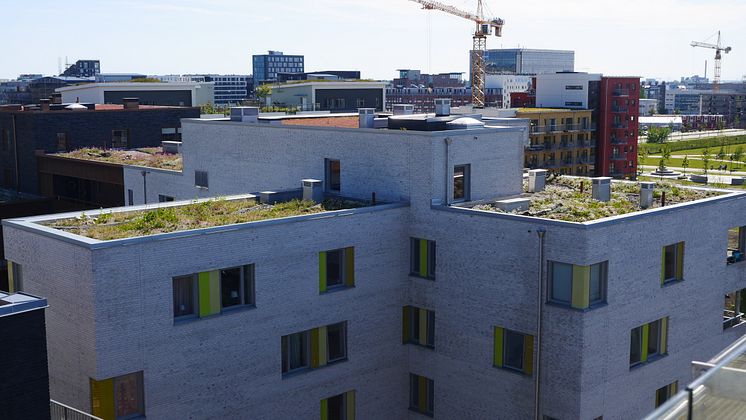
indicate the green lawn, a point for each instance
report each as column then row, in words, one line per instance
column 693, row 163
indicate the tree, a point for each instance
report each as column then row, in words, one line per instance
column 665, row 156
column 658, row 134
column 706, row 160
column 262, row 91
column 721, row 153
column 642, row 156
column 685, row 163
column 738, row 154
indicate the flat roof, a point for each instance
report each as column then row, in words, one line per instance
column 14, row 303
column 151, row 157
column 124, row 223
column 563, row 200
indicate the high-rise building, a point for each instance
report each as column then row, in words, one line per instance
column 267, row 66
column 614, row 102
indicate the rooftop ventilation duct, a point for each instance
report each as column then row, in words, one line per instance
column 537, row 179
column 403, row 109
column 601, row 188
column 313, row 190
column 248, row 114
column 367, row 117
column 646, row 194
column 442, row 107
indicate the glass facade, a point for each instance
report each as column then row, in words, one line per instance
column 267, row 66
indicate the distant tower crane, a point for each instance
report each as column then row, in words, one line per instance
column 718, row 57
column 484, row 28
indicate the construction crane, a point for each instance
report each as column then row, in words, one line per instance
column 484, row 27
column 718, row 57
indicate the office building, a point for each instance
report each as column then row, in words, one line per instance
column 342, row 96
column 319, row 75
column 230, row 89
column 614, row 102
column 357, row 307
column 161, row 94
column 507, row 84
column 730, row 104
column 266, row 67
column 83, row 68
column 527, row 61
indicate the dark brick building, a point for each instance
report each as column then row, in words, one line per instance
column 25, row 131
column 24, row 390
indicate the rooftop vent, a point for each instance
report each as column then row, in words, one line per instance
column 513, row 204
column 646, row 194
column 131, row 103
column 313, row 190
column 442, row 107
column 464, row 123
column 77, row 107
column 367, row 116
column 172, row 147
column 245, row 114
column 56, row 98
column 403, row 109
column 537, row 179
column 44, row 104
column 601, row 188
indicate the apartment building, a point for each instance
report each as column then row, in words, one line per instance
column 562, row 141
column 429, row 281
column 266, row 67
column 614, row 102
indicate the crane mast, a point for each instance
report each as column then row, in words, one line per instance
column 719, row 49
column 484, row 27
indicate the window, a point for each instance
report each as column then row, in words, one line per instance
column 421, row 394
column 130, row 197
column 170, row 134
column 119, row 139
column 213, row 292
column 336, row 269
column 733, row 309
column 200, row 179
column 672, row 263
column 15, row 277
column 664, row 393
column 736, row 245
column 422, row 258
column 577, row 286
column 461, row 183
column 164, row 198
column 333, row 176
column 648, row 342
column 62, row 144
column 418, row 326
column 574, row 87
column 314, row 348
column 339, row 407
column 513, row 351
column 573, row 104
column 118, row 398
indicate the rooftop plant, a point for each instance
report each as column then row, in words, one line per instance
column 217, row 212
column 152, row 157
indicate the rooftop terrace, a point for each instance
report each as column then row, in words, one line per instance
column 188, row 216
column 565, row 199
column 152, row 157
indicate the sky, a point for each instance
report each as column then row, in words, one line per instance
column 647, row 38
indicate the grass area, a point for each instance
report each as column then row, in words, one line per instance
column 694, row 164
column 152, row 157
column 688, row 183
column 218, row 212
column 676, row 147
column 562, row 200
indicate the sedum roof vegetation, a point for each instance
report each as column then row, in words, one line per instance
column 152, row 157
column 562, row 199
column 217, row 212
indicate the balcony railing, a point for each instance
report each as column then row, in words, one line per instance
column 618, row 140
column 619, row 109
column 557, row 128
column 584, row 160
column 620, row 125
column 63, row 412
column 618, row 156
column 621, row 92
column 731, row 318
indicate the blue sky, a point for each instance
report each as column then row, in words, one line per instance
column 648, row 38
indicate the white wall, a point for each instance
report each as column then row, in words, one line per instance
column 551, row 89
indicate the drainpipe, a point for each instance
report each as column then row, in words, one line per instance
column 145, row 186
column 539, row 309
column 15, row 151
column 448, row 142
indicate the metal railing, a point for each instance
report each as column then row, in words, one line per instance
column 621, row 109
column 620, row 125
column 615, row 140
column 618, row 156
column 63, row 412
column 621, row 92
column 731, row 318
